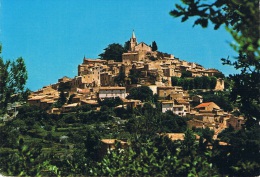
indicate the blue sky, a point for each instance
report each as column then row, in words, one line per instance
column 53, row 36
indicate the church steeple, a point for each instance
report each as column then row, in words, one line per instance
column 133, row 34
column 133, row 42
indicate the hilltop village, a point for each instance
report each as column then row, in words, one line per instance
column 99, row 79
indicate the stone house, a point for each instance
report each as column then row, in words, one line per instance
column 69, row 107
column 211, row 72
column 42, row 101
column 109, row 145
column 36, row 100
column 64, row 79
column 235, row 122
column 107, row 79
column 184, row 103
column 132, row 103
column 197, row 99
column 128, row 58
column 178, row 109
column 165, row 91
column 47, row 102
column 167, row 105
column 209, row 106
column 111, row 92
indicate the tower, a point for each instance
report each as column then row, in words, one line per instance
column 133, row 42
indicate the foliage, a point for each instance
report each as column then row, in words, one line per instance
column 120, row 78
column 46, row 153
column 70, row 98
column 13, row 77
column 26, row 161
column 241, row 18
column 82, row 108
column 152, row 58
column 186, row 74
column 111, row 102
column 154, row 46
column 113, row 52
column 161, row 55
column 156, row 156
column 134, row 75
column 219, row 75
column 143, row 93
column 220, row 98
column 203, row 82
column 64, row 86
column 242, row 156
column 62, row 100
column 127, row 45
column 151, row 120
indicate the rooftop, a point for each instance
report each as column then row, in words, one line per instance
column 203, row 105
column 111, row 88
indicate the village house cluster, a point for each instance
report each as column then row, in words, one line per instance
column 100, row 79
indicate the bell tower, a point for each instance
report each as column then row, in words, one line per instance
column 133, row 42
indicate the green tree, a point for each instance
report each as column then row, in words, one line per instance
column 213, row 82
column 127, row 45
column 134, row 75
column 13, row 77
column 64, row 86
column 198, row 83
column 186, row 74
column 174, row 80
column 191, row 84
column 186, row 84
column 154, row 46
column 220, row 98
column 242, row 157
column 219, row 75
column 241, row 19
column 143, row 93
column 113, row 52
column 62, row 100
column 111, row 102
column 205, row 82
column 120, row 78
column 153, row 156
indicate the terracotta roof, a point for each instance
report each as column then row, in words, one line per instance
column 202, row 105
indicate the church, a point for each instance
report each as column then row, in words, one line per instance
column 136, row 52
